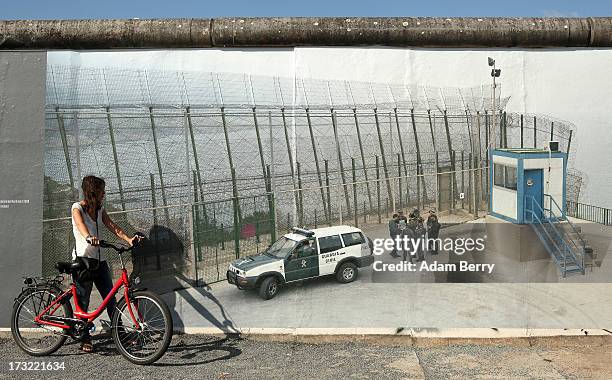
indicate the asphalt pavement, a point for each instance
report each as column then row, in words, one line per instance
column 207, row 357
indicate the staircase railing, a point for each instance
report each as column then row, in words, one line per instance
column 552, row 202
column 563, row 248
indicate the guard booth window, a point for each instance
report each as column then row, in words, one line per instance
column 498, row 175
column 510, row 180
column 330, row 243
column 504, row 176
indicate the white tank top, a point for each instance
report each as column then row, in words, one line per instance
column 83, row 248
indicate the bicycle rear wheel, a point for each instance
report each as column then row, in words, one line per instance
column 149, row 342
column 33, row 338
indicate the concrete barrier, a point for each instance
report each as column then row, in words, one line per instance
column 307, row 31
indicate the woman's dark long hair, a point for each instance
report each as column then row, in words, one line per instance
column 91, row 185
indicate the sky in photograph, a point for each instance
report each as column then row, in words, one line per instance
column 79, row 9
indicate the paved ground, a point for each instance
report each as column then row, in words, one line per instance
column 413, row 300
column 203, row 357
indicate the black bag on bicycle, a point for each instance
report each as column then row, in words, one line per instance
column 89, row 269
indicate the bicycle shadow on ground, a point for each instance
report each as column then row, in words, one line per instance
column 182, row 354
column 160, row 261
column 210, row 349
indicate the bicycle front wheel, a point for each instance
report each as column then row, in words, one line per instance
column 149, row 341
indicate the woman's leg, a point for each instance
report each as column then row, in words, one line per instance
column 104, row 284
column 83, row 289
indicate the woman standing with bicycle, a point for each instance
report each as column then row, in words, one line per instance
column 43, row 316
column 88, row 216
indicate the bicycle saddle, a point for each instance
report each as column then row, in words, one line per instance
column 69, row 267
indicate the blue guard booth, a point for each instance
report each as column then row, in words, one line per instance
column 527, row 185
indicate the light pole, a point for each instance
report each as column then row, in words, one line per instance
column 495, row 73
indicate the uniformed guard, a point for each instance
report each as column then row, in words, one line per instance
column 415, row 223
column 394, row 232
column 433, row 231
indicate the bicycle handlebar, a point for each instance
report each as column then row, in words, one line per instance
column 119, row 249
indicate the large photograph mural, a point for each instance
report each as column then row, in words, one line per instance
column 216, row 155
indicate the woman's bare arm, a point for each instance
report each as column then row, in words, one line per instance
column 78, row 220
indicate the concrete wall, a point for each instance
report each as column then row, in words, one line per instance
column 22, row 101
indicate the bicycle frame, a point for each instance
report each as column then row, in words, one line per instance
column 123, row 281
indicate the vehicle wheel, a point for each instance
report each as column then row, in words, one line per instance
column 346, row 273
column 35, row 339
column 149, row 342
column 268, row 288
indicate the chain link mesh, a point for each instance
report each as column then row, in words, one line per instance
column 181, row 152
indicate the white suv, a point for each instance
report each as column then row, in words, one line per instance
column 302, row 254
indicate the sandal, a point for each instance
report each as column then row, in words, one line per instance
column 87, row 346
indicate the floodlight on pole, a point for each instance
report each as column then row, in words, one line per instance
column 495, row 73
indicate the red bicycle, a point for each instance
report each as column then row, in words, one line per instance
column 43, row 318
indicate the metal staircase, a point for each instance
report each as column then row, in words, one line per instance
column 563, row 241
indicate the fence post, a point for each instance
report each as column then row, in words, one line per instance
column 399, row 182
column 365, row 212
column 159, row 167
column 271, row 206
column 355, row 204
column 196, row 218
column 259, row 145
column 476, row 184
column 505, row 130
column 535, row 132
column 522, row 129
column 290, row 155
column 420, row 179
column 451, row 155
column 378, row 189
column 300, row 196
column 340, row 163
column 229, row 157
column 438, row 199
column 62, row 130
column 453, row 183
column 316, row 159
column 382, row 153
column 237, row 216
column 363, row 162
column 403, row 155
column 470, row 182
column 486, row 185
column 195, row 158
column 462, row 180
column 155, row 221
column 552, row 130
column 115, row 159
column 329, row 206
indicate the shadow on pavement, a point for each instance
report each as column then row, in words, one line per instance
column 181, row 354
column 165, row 275
column 178, row 354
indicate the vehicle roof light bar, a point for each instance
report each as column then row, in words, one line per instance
column 303, row 231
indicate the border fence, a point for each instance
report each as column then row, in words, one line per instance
column 213, row 166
